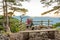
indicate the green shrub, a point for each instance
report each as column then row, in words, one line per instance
column 1, row 28
column 22, row 27
column 14, row 29
column 56, row 25
column 14, row 24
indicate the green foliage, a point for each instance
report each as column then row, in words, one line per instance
column 14, row 24
column 50, row 2
column 54, row 8
column 14, row 29
column 56, row 25
column 17, row 0
column 22, row 27
column 1, row 27
column 11, row 0
column 19, row 9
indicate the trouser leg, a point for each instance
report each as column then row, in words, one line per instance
column 27, row 26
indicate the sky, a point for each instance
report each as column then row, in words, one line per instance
column 35, row 8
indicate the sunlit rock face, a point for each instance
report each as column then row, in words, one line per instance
column 32, row 35
column 4, row 37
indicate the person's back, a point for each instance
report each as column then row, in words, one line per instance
column 29, row 23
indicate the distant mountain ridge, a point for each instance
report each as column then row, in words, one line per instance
column 54, row 20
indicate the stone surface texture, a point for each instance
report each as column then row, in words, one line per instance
column 33, row 35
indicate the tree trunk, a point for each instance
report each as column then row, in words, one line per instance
column 7, row 28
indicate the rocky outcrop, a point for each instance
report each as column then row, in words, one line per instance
column 4, row 37
column 33, row 35
column 57, row 35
